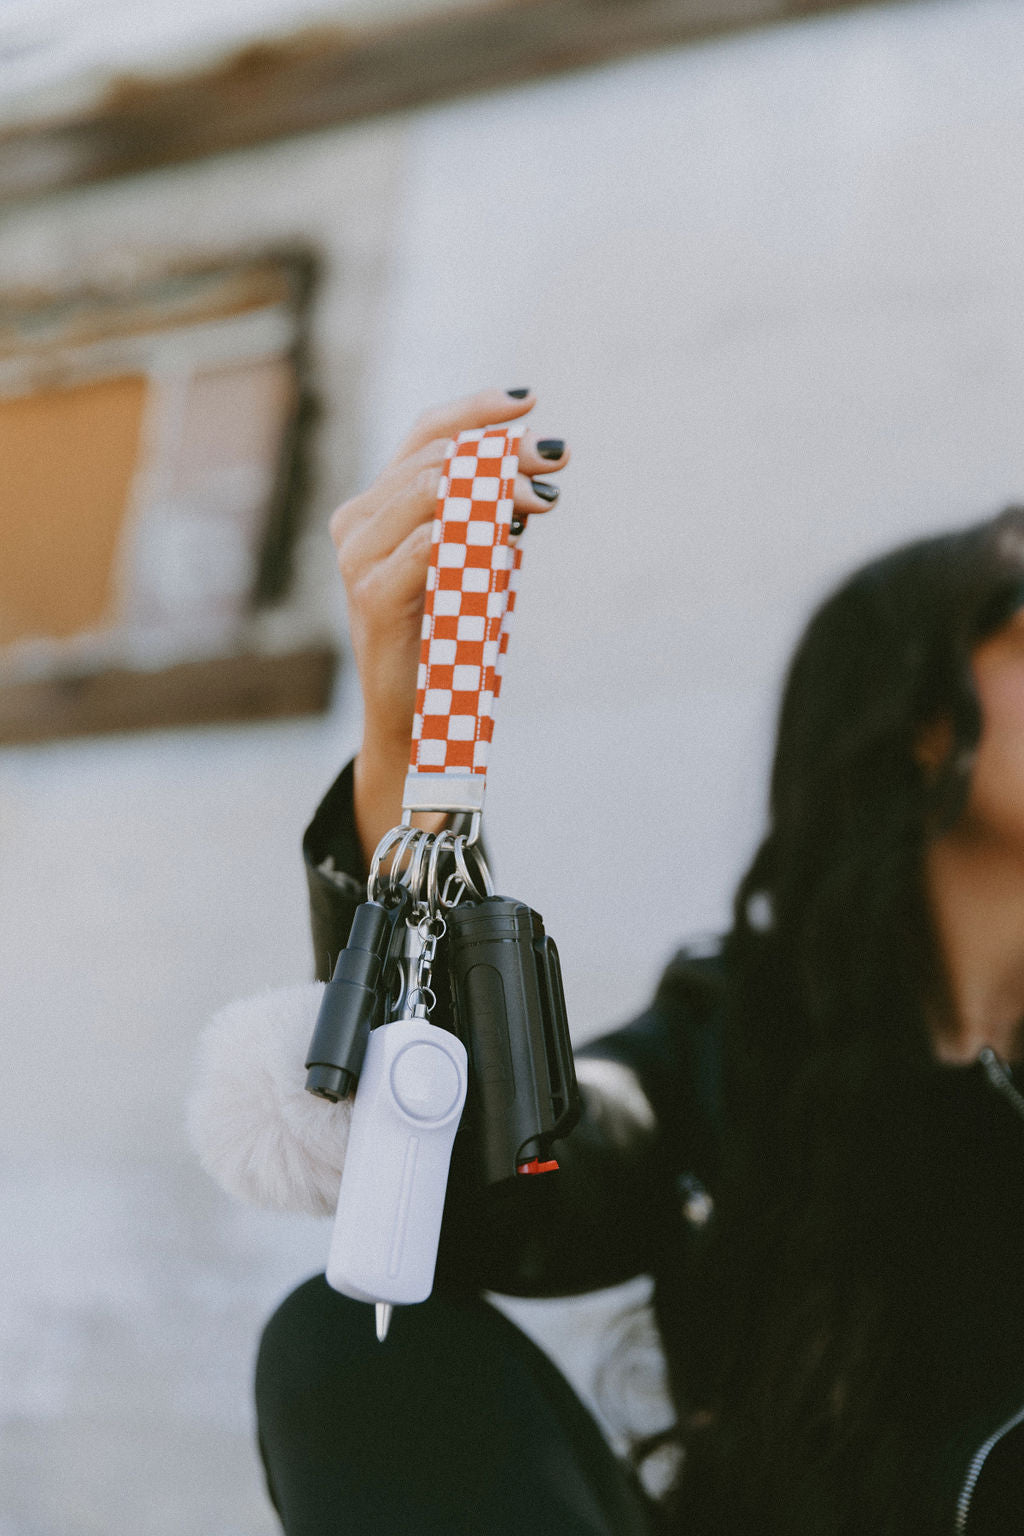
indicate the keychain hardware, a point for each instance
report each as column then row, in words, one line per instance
column 509, row 1043
column 422, row 854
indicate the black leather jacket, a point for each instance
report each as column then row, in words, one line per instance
column 637, row 1177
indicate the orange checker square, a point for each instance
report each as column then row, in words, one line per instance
column 473, row 605
column 486, row 729
column 460, row 487
column 449, row 578
column 435, row 728
column 440, row 675
column 478, row 556
column 469, row 653
column 460, row 754
column 483, row 507
column 465, row 703
column 446, row 626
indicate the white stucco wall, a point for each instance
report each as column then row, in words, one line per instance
column 770, row 289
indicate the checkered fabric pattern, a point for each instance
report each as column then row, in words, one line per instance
column 471, row 590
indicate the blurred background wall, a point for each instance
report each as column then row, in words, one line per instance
column 769, row 288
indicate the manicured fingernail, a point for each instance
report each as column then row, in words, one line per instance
column 516, row 526
column 551, row 447
column 517, row 394
column 545, row 491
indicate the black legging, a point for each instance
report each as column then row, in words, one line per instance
column 457, row 1425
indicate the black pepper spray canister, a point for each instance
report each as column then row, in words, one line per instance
column 510, row 1014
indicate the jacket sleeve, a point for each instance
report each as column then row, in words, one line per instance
column 613, row 1208
column 335, row 873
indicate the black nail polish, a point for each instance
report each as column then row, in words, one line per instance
column 516, row 526
column 517, row 394
column 551, row 447
column 545, row 491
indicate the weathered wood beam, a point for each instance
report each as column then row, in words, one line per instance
column 252, row 687
column 323, row 77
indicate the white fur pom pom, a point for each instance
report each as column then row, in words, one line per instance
column 257, row 1131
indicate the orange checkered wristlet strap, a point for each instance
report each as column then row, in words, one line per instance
column 470, row 597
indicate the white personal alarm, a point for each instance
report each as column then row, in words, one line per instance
column 411, row 1093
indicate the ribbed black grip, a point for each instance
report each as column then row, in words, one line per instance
column 510, row 1013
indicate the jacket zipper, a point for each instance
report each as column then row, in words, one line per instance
column 999, row 1076
column 978, row 1460
column 1000, row 1079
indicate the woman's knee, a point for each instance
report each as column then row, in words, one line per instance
column 322, row 1375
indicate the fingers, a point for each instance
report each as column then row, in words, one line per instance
column 533, row 495
column 484, row 409
column 542, row 455
column 397, row 582
column 370, row 527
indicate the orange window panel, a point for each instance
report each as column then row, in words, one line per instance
column 67, row 461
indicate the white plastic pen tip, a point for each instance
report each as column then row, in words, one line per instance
column 383, row 1311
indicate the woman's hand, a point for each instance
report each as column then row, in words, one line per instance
column 382, row 538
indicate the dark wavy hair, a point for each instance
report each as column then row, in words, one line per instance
column 793, row 1355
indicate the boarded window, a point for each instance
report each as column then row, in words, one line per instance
column 149, row 456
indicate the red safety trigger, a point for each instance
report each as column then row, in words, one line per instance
column 536, row 1166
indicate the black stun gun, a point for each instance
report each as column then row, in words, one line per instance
column 510, row 1014
column 354, row 999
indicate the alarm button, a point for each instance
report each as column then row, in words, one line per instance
column 425, row 1082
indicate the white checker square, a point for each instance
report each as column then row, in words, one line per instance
column 431, row 576
column 480, row 754
column 432, row 752
column 417, row 727
column 496, row 604
column 475, row 579
column 471, row 627
column 442, row 486
column 478, row 532
column 463, row 467
column 457, row 509
column 437, row 701
column 509, row 466
column 490, row 653
column 504, row 510
column 486, row 488
column 421, row 675
column 435, row 531
column 447, row 602
column 425, row 627
column 452, row 555
column 490, row 447
column 462, row 727
column 441, row 653
column 486, row 704
column 501, row 557
column 464, row 679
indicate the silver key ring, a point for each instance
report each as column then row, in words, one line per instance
column 386, row 843
column 442, row 840
column 462, row 847
column 395, row 872
column 415, row 872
